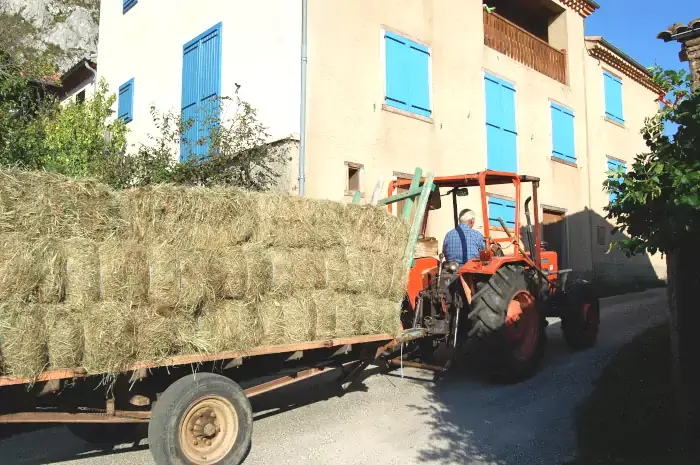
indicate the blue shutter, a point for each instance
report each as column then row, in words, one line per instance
column 501, row 134
column 125, row 109
column 500, row 208
column 128, row 4
column 407, row 74
column 563, row 140
column 613, row 98
column 613, row 165
column 201, row 87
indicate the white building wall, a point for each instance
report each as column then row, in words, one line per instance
column 260, row 52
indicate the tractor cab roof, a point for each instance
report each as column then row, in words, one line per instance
column 488, row 177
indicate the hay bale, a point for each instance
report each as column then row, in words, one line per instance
column 111, row 337
column 379, row 316
column 31, row 271
column 82, row 271
column 37, row 204
column 375, row 229
column 243, row 272
column 22, row 340
column 124, row 271
column 161, row 332
column 298, row 222
column 380, row 274
column 334, row 315
column 335, row 268
column 228, row 325
column 180, row 277
column 287, row 321
column 64, row 335
column 296, row 270
column 182, row 216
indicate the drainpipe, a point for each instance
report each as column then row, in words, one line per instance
column 302, row 125
column 588, row 158
column 93, row 71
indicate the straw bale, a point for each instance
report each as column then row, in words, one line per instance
column 124, row 271
column 111, row 337
column 379, row 316
column 336, row 270
column 82, row 270
column 382, row 275
column 31, row 270
column 243, row 272
column 180, row 277
column 180, row 216
column 335, row 316
column 296, row 270
column 228, row 325
column 161, row 332
column 43, row 204
column 287, row 321
column 64, row 335
column 297, row 222
column 22, row 340
column 376, row 230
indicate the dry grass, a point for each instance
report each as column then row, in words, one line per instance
column 289, row 320
column 380, row 274
column 379, row 316
column 296, row 270
column 124, row 271
column 22, row 340
column 82, row 271
column 64, row 330
column 243, row 272
column 180, row 277
column 161, row 332
column 228, row 325
column 111, row 337
column 31, row 271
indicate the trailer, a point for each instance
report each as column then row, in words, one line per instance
column 194, row 406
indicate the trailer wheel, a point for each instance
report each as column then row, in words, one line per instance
column 581, row 319
column 506, row 318
column 204, row 419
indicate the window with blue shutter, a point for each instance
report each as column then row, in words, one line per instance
column 501, row 208
column 128, row 4
column 563, row 140
column 501, row 134
column 407, row 75
column 201, row 89
column 125, row 111
column 616, row 166
column 613, row 98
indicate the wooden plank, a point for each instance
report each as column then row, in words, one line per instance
column 418, row 220
column 415, row 183
column 356, row 197
column 410, row 194
column 199, row 358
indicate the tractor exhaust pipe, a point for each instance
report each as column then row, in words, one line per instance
column 530, row 242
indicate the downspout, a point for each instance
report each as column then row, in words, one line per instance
column 588, row 157
column 302, row 116
column 93, row 71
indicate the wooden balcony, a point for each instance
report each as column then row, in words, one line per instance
column 515, row 42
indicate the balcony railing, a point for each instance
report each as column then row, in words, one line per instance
column 513, row 41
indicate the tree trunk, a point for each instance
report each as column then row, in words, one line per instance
column 683, row 266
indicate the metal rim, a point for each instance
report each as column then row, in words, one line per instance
column 522, row 326
column 208, row 430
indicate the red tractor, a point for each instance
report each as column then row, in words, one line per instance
column 500, row 300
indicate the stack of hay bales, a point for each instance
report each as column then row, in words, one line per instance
column 102, row 279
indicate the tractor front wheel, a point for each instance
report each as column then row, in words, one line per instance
column 506, row 318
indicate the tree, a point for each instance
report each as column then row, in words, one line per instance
column 658, row 205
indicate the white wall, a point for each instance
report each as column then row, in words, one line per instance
column 260, row 47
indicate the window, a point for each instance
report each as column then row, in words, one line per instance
column 613, row 98
column 201, row 87
column 128, row 4
column 407, row 75
column 563, row 140
column 501, row 135
column 80, row 98
column 615, row 166
column 501, row 208
column 354, row 177
column 126, row 101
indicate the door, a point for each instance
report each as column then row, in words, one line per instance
column 554, row 234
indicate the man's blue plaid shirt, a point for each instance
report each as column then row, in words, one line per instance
column 452, row 247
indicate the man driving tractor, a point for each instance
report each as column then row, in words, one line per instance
column 464, row 242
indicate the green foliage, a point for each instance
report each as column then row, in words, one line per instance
column 658, row 202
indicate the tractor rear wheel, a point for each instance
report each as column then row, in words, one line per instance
column 505, row 316
column 581, row 319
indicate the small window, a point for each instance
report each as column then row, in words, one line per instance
column 615, row 166
column 563, row 140
column 407, row 75
column 80, row 98
column 126, row 102
column 128, row 4
column 613, row 98
column 501, row 208
column 600, row 230
column 354, row 178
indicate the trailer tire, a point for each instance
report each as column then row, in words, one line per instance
column 512, row 351
column 581, row 319
column 204, row 416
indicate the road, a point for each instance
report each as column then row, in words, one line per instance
column 406, row 420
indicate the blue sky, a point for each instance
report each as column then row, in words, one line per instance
column 632, row 25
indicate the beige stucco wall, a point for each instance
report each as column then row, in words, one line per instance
column 260, row 48
column 622, row 142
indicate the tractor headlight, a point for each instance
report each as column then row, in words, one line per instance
column 452, row 267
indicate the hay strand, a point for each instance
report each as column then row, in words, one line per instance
column 82, row 271
column 296, row 270
column 227, row 326
column 123, row 271
column 287, row 321
column 22, row 340
column 64, row 329
column 241, row 272
column 180, row 277
column 111, row 337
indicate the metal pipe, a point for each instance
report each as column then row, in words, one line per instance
column 93, row 71
column 302, row 116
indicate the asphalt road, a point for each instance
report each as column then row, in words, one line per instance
column 411, row 420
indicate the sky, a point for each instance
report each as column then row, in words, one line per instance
column 632, row 26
